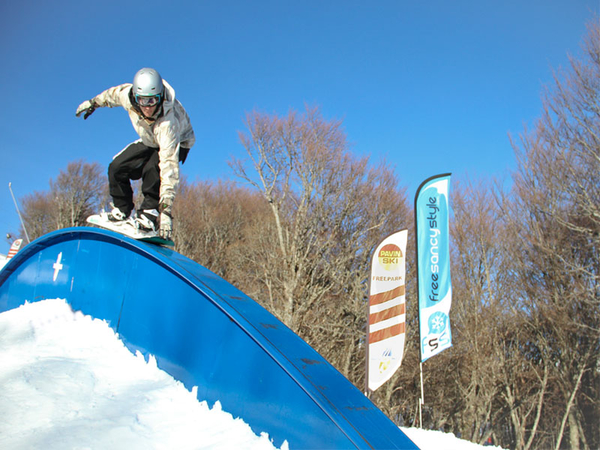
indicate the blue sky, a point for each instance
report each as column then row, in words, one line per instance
column 432, row 86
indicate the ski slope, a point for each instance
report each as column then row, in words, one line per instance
column 203, row 332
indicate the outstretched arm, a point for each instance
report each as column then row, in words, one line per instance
column 115, row 96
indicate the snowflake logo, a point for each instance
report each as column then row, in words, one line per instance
column 437, row 322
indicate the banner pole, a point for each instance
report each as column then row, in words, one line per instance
column 368, row 327
column 422, row 401
column 18, row 212
column 367, row 355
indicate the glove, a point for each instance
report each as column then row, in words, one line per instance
column 166, row 225
column 88, row 106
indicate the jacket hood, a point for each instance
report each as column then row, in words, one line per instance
column 169, row 97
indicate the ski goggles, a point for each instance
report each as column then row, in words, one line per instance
column 147, row 101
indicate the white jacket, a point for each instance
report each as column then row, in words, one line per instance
column 168, row 130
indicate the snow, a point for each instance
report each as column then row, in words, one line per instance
column 436, row 440
column 68, row 382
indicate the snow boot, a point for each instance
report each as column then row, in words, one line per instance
column 147, row 220
column 116, row 215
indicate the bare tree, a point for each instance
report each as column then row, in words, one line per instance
column 214, row 223
column 328, row 211
column 77, row 193
column 38, row 214
column 557, row 192
column 480, row 292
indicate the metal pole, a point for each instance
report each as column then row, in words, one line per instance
column 367, row 353
column 18, row 212
column 422, row 402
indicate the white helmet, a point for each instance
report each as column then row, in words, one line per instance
column 147, row 83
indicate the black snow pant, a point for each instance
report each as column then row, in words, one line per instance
column 134, row 162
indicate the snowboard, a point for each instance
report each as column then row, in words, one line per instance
column 127, row 228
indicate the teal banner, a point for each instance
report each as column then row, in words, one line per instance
column 433, row 265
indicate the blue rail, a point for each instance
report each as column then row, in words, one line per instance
column 205, row 333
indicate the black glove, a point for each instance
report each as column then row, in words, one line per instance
column 88, row 107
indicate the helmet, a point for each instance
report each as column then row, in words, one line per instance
column 147, row 83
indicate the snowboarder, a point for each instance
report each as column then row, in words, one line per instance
column 166, row 136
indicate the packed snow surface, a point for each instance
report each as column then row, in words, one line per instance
column 68, row 382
